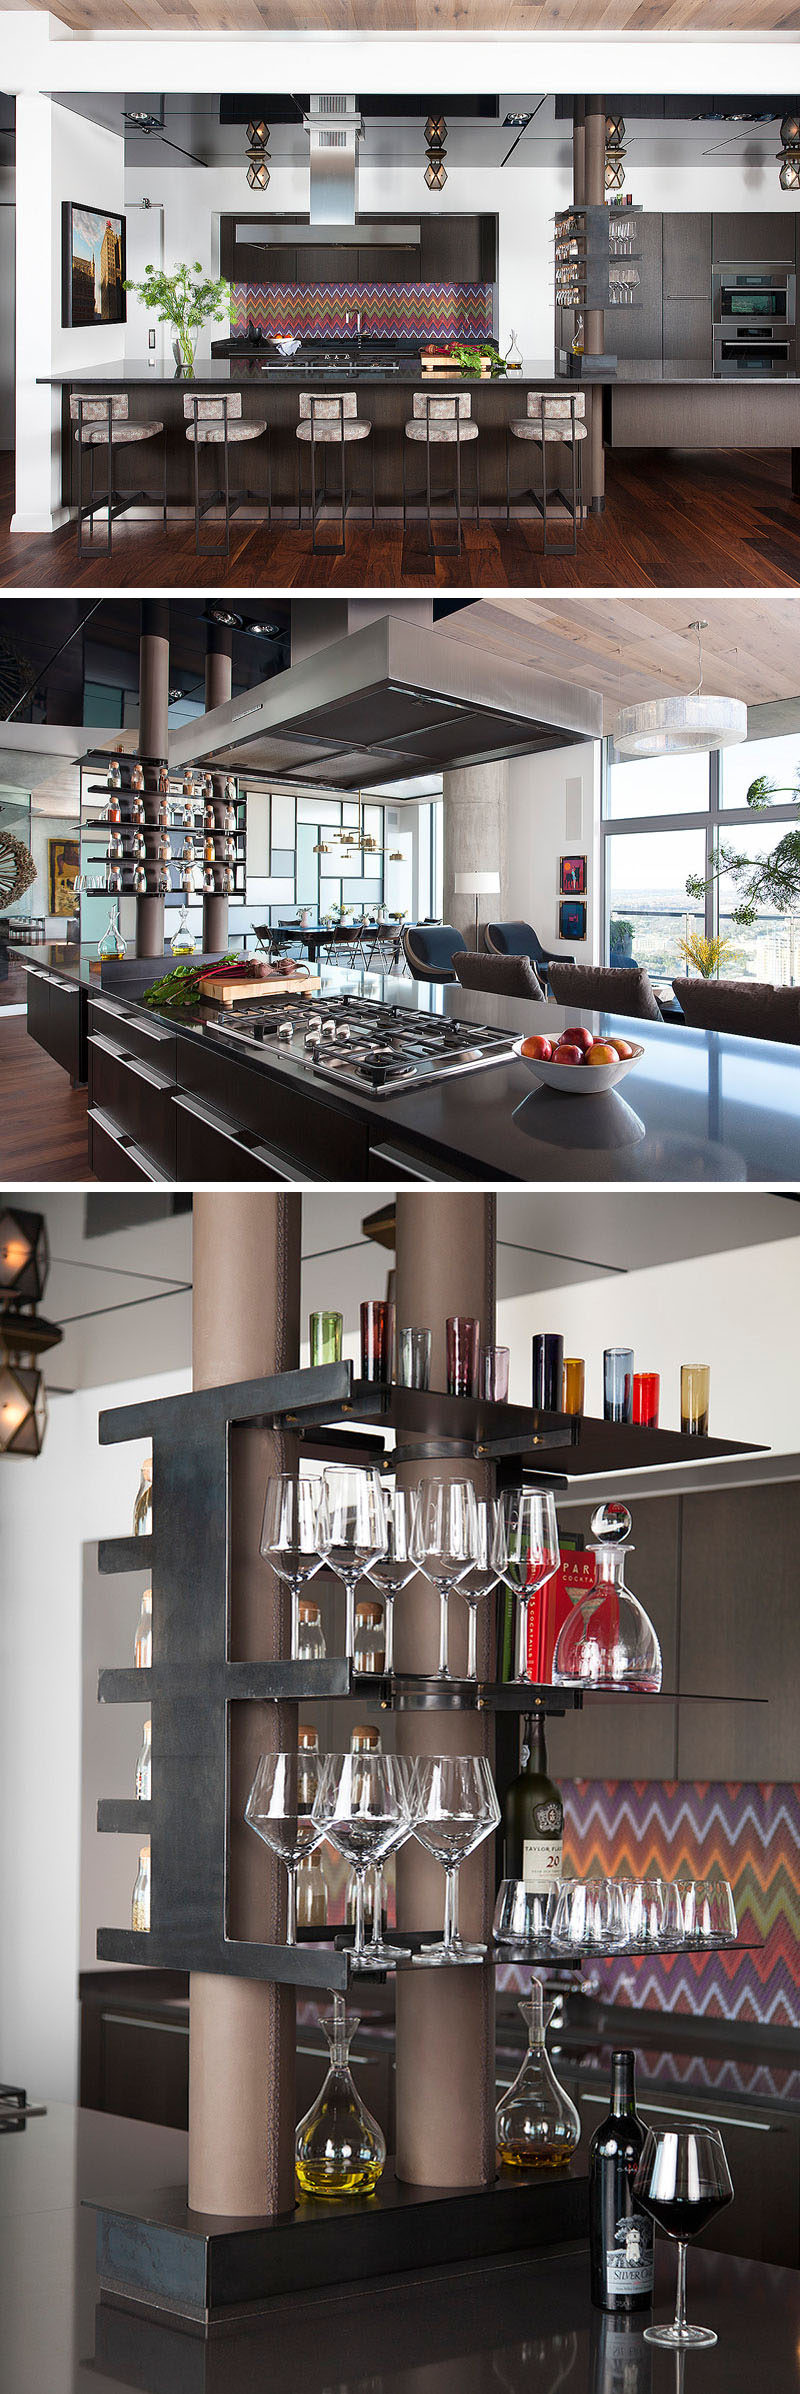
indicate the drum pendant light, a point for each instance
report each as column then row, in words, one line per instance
column 678, row 726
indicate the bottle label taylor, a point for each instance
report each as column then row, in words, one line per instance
column 629, row 2263
column 542, row 1854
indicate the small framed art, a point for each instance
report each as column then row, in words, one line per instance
column 572, row 918
column 573, row 878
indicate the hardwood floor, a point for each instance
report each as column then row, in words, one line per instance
column 43, row 1133
column 671, row 519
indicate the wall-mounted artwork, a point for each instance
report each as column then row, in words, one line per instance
column 92, row 265
column 63, row 867
column 573, row 882
column 572, row 918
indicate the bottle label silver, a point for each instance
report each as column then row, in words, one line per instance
column 541, row 1863
column 629, row 2263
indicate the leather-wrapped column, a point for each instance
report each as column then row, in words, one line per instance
column 246, row 1323
column 445, row 2017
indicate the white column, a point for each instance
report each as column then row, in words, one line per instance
column 38, row 505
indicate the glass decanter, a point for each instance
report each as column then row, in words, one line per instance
column 183, row 942
column 536, row 2124
column 608, row 1640
column 340, row 2150
column 112, row 942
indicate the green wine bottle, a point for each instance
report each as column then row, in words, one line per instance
column 533, row 1817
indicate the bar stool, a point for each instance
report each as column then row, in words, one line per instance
column 445, row 420
column 103, row 423
column 217, row 422
column 329, row 419
column 551, row 417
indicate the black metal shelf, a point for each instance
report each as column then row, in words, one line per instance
column 324, row 1959
column 397, row 1691
column 124, row 1815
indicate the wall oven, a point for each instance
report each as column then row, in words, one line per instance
column 753, row 319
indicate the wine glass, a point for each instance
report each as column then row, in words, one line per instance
column 683, row 2181
column 527, row 1554
column 294, row 1534
column 444, row 1543
column 279, row 1808
column 455, row 1808
column 356, row 1532
column 484, row 1572
column 393, row 1569
column 363, row 1807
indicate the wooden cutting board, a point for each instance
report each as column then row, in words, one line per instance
column 238, row 991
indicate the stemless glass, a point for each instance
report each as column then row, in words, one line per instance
column 483, row 1572
column 392, row 1570
column 455, row 1808
column 573, row 1383
column 355, row 1531
column 444, row 1543
column 646, row 1393
column 695, row 1393
column 294, row 1534
column 547, row 1371
column 414, row 1358
column 683, row 2181
column 493, row 1374
column 589, row 1913
column 325, row 1337
column 377, row 1341
column 463, row 1336
column 528, row 1554
column 363, row 1807
column 279, row 1808
column 618, row 1383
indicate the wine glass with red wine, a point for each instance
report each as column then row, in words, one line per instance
column 683, row 2181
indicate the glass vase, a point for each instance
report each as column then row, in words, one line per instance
column 340, row 2150
column 537, row 2125
column 608, row 1640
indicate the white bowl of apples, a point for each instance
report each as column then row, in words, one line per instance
column 577, row 1063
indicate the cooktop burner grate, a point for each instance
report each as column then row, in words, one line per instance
column 365, row 1046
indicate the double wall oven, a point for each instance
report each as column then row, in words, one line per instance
column 754, row 319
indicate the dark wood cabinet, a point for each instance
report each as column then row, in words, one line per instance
column 765, row 239
column 56, row 1019
column 686, row 249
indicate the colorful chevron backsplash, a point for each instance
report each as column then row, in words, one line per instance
column 749, row 1835
column 389, row 311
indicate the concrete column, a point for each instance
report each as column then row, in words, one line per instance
column 594, row 335
column 219, row 685
column 475, row 839
column 445, row 2018
column 246, row 1322
column 153, row 742
column 579, row 153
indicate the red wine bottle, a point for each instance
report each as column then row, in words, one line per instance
column 620, row 2235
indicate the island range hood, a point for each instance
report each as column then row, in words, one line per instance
column 392, row 699
column 334, row 126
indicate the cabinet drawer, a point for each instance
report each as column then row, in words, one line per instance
column 138, row 1096
column 314, row 1140
column 112, row 1156
column 129, row 1027
column 210, row 1148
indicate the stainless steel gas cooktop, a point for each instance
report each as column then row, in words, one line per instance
column 373, row 1049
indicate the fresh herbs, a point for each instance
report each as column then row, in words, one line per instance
column 470, row 357
column 180, row 987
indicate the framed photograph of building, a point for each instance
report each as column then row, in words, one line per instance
column 572, row 918
column 92, row 265
column 573, row 877
column 63, row 866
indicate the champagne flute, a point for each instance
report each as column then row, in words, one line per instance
column 683, row 2181
column 444, row 1542
column 294, row 1534
column 356, row 1532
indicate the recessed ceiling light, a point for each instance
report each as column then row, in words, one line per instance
column 518, row 117
column 263, row 631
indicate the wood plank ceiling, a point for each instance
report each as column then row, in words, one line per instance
column 425, row 16
column 631, row 647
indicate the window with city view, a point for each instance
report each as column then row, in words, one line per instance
column 649, row 857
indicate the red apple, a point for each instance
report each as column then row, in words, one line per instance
column 568, row 1055
column 538, row 1046
column 576, row 1036
column 622, row 1046
column 601, row 1053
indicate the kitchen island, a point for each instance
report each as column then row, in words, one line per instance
column 173, row 1095
column 672, row 403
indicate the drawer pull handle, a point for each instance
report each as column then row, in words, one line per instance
column 253, row 1147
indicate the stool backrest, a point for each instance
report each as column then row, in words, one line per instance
column 96, row 410
column 444, row 407
column 212, row 410
column 328, row 406
column 556, row 406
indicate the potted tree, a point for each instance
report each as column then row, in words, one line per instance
column 188, row 299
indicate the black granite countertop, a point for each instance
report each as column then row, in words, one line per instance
column 522, row 2324
column 698, row 1106
column 265, row 367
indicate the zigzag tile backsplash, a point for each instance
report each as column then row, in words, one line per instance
column 747, row 1834
column 389, row 311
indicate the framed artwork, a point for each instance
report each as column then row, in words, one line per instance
column 92, row 265
column 572, row 918
column 63, row 866
column 573, row 879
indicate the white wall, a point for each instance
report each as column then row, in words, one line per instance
column 553, row 811
column 60, row 156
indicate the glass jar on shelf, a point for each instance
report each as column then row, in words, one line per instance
column 311, row 1635
column 537, row 2126
column 143, row 1641
column 142, row 1780
column 608, row 1640
column 312, row 1891
column 114, row 775
column 143, row 1504
column 140, row 1900
column 340, row 2149
column 369, row 1651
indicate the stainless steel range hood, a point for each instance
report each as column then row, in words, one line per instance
column 334, row 126
column 390, row 700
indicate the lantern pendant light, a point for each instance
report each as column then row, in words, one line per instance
column 615, row 153
column 24, row 1336
column 257, row 154
column 789, row 153
column 435, row 139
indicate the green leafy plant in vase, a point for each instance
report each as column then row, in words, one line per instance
column 187, row 299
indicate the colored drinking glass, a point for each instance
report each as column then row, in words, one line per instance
column 573, row 1384
column 463, row 1354
column 377, row 1341
column 695, row 1391
column 646, row 1393
column 493, row 1377
column 325, row 1337
column 618, row 1384
column 547, row 1357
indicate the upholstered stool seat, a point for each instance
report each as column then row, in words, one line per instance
column 215, row 420
column 552, row 419
column 443, row 419
column 329, row 420
column 103, row 422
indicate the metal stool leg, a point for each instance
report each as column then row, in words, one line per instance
column 478, row 483
column 196, row 448
column 544, row 494
column 164, row 449
column 458, row 485
column 574, row 499
column 405, row 498
column 110, row 498
column 299, row 486
column 227, row 486
column 372, row 460
column 428, row 485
